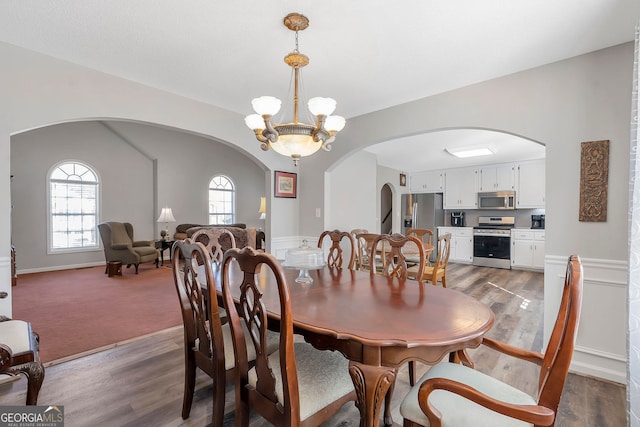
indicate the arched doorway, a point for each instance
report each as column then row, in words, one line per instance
column 386, row 209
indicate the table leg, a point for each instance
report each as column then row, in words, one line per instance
column 371, row 384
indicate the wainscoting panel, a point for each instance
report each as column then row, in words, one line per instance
column 5, row 286
column 601, row 342
column 279, row 245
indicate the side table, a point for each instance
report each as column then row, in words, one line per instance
column 163, row 245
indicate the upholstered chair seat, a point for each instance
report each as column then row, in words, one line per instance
column 458, row 411
column 273, row 340
column 323, row 377
column 19, row 355
column 16, row 334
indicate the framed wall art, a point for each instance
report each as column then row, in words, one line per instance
column 594, row 177
column 286, row 184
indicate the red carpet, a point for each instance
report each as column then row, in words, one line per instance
column 78, row 310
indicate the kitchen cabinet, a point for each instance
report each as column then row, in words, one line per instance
column 461, row 188
column 426, row 182
column 461, row 243
column 497, row 178
column 530, row 185
column 527, row 248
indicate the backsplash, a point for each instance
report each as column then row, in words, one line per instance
column 522, row 216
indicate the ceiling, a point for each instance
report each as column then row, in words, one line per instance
column 368, row 55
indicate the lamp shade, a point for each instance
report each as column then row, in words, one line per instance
column 298, row 145
column 334, row 123
column 263, row 208
column 254, row 121
column 322, row 106
column 166, row 215
column 266, row 105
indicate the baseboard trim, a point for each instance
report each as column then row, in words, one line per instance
column 59, row 267
column 599, row 364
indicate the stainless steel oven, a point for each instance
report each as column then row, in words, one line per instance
column 492, row 242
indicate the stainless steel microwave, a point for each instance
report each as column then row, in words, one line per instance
column 498, row 200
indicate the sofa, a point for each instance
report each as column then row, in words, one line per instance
column 244, row 236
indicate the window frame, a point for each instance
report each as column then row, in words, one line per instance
column 233, row 193
column 98, row 192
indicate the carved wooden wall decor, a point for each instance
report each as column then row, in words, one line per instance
column 594, row 175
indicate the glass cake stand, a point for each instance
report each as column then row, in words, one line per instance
column 304, row 277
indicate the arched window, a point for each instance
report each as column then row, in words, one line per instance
column 73, row 207
column 222, row 200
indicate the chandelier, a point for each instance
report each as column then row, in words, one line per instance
column 295, row 139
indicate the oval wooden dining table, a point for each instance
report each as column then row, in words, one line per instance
column 379, row 324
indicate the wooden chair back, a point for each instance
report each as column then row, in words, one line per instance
column 357, row 231
column 423, row 234
column 559, row 352
column 354, row 233
column 210, row 238
column 364, row 242
column 395, row 249
column 438, row 271
column 203, row 336
column 335, row 258
column 252, row 311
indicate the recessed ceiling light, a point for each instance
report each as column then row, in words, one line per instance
column 469, row 152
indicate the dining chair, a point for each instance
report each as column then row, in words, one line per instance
column 211, row 239
column 438, row 271
column 335, row 257
column 19, row 347
column 207, row 342
column 454, row 395
column 425, row 235
column 400, row 252
column 364, row 242
column 294, row 386
column 354, row 233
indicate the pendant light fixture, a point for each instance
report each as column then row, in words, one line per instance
column 295, row 139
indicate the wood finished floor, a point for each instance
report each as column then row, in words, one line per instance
column 140, row 383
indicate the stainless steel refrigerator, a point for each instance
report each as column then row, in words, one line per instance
column 423, row 211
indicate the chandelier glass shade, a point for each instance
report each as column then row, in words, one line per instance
column 295, row 139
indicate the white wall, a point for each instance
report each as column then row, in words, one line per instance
column 351, row 186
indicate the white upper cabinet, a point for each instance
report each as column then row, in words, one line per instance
column 530, row 185
column 497, row 178
column 461, row 188
column 426, row 182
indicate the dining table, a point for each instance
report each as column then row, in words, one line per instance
column 379, row 323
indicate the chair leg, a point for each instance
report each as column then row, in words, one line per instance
column 412, row 373
column 157, row 263
column 217, row 418
column 34, row 371
column 136, row 268
column 189, row 384
column 387, row 418
column 106, row 268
